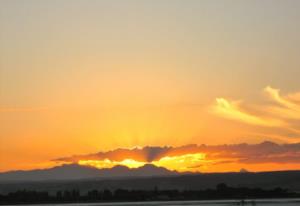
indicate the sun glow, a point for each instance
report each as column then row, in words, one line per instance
column 106, row 163
column 187, row 162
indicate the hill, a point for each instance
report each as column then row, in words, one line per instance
column 77, row 172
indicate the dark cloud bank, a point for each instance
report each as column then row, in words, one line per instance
column 266, row 152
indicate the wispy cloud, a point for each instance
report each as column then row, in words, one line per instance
column 280, row 113
column 232, row 110
column 288, row 108
column 276, row 97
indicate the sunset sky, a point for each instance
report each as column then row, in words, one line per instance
column 79, row 77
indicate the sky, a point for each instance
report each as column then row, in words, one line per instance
column 79, row 77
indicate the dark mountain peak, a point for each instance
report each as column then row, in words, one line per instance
column 70, row 167
column 243, row 170
column 119, row 168
column 148, row 166
column 152, row 170
column 75, row 171
column 268, row 143
column 62, row 172
column 151, row 167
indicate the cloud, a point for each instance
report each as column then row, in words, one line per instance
column 289, row 106
column 232, row 110
column 274, row 95
column 193, row 156
column 119, row 154
column 283, row 112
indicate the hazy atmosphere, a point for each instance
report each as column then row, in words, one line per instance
column 207, row 86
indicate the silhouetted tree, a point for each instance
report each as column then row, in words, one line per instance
column 107, row 195
column 222, row 191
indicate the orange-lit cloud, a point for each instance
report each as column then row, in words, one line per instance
column 280, row 114
column 274, row 94
column 187, row 162
column 107, row 163
column 288, row 107
column 182, row 163
column 197, row 157
column 232, row 110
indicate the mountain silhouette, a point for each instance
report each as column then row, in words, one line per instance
column 75, row 171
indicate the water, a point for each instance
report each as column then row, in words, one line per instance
column 265, row 202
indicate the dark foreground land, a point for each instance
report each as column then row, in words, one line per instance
column 265, row 180
column 154, row 188
column 222, row 191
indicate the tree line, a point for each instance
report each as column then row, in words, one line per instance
column 222, row 191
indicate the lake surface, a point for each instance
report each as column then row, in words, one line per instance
column 265, row 202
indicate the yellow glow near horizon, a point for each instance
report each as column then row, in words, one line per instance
column 106, row 163
column 187, row 162
column 181, row 163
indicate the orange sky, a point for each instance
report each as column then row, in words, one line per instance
column 80, row 78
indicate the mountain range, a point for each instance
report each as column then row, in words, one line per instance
column 76, row 172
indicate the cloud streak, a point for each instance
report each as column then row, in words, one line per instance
column 190, row 157
column 281, row 112
column 289, row 109
column 232, row 110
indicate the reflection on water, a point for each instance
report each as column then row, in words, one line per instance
column 265, row 202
